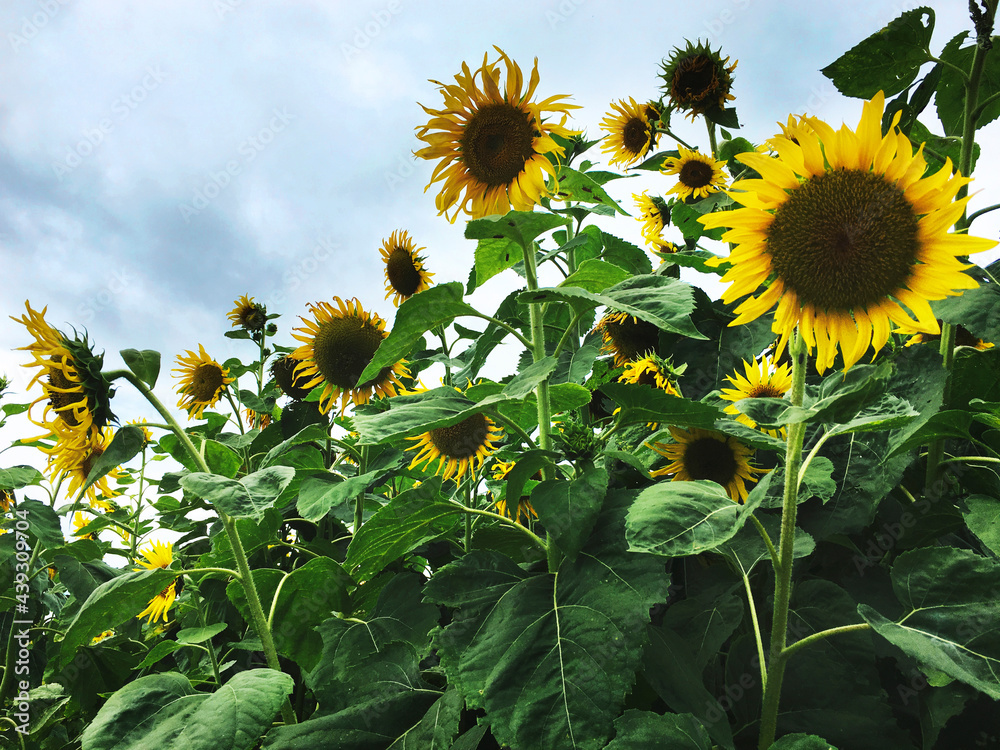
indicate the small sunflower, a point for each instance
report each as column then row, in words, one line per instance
column 77, row 392
column 338, row 344
column 404, row 269
column 627, row 337
column 492, row 146
column 102, row 637
column 652, row 371
column 698, row 175
column 80, row 521
column 159, row 556
column 848, row 230
column 73, row 462
column 202, row 382
column 706, row 454
column 654, row 213
column 257, row 419
column 962, row 337
column 763, row 379
column 524, row 509
column 283, row 372
column 697, row 79
column 6, row 500
column 459, row 447
column 147, row 435
column 250, row 315
column 631, row 132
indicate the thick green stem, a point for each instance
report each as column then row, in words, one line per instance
column 786, row 550
column 359, row 502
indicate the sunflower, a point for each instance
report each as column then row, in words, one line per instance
column 654, row 213
column 652, row 371
column 697, row 79
column 706, row 454
column 252, row 316
column 962, row 337
column 283, row 372
column 338, row 344
column 627, row 337
column 849, row 230
column 631, row 133
column 524, row 508
column 159, row 556
column 203, row 380
column 492, row 146
column 102, row 637
column 6, row 500
column 80, row 521
column 763, row 379
column 78, row 394
column 404, row 269
column 73, row 462
column 459, row 447
column 698, row 175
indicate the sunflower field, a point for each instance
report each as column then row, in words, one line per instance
column 770, row 520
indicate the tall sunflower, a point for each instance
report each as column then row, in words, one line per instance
column 159, row 556
column 523, row 507
column 763, row 379
column 71, row 462
column 250, row 315
column 338, row 344
column 849, row 231
column 202, row 382
column 78, row 394
column 492, row 146
column 698, row 175
column 631, row 132
column 627, row 337
column 697, row 79
column 459, row 447
column 706, row 454
column 405, row 274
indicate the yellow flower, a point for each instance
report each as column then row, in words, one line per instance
column 763, row 379
column 102, row 637
column 649, row 370
column 251, row 315
column 79, row 522
column 654, row 213
column 78, row 394
column 627, row 337
column 202, row 382
column 698, row 175
column 338, row 344
column 524, row 509
column 6, row 500
column 631, row 132
column 706, row 454
column 459, row 447
column 73, row 462
column 159, row 556
column 849, row 230
column 492, row 146
column 404, row 269
column 697, row 79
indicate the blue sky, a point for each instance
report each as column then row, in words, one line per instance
column 160, row 159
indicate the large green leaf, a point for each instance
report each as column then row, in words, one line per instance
column 502, row 239
column 409, row 415
column 164, row 711
column 635, row 729
column 596, row 276
column 977, row 310
column 886, row 61
column 582, row 188
column 952, row 614
column 248, row 497
column 643, row 403
column 43, row 522
column 550, row 657
column 706, row 622
column 568, row 509
column 950, row 94
column 144, row 364
column 17, row 477
column 799, row 741
column 318, row 494
column 127, row 442
column 982, row 514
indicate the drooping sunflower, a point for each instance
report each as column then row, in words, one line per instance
column 493, row 146
column 283, row 372
column 631, row 132
column 697, row 79
column 72, row 463
column 6, row 500
column 627, row 337
column 706, row 454
column 654, row 213
column 338, row 344
column 405, row 274
column 652, row 371
column 459, row 447
column 250, row 315
column 962, row 337
column 78, row 394
column 202, row 382
column 159, row 556
column 523, row 509
column 848, row 230
column 763, row 379
column 698, row 175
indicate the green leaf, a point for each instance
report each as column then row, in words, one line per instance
column 549, row 656
column 308, row 434
column 317, row 495
column 888, row 60
column 144, row 364
column 816, row 482
column 977, row 310
column 17, row 477
column 568, row 509
column 220, row 459
column 636, row 729
column 941, row 426
column 950, row 95
column 416, row 316
column 502, row 239
column 624, row 254
column 596, row 276
column 800, row 741
column 643, row 403
column 248, row 497
column 438, row 727
column 200, row 635
column 127, row 442
column 952, row 615
column 160, row 651
column 164, row 711
column 982, row 514
column 580, row 187
column 43, row 523
column 111, row 604
column 686, row 218
column 706, row 622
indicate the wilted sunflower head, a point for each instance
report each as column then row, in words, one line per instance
column 762, row 379
column 627, row 337
column 283, row 372
column 698, row 175
column 338, row 344
column 654, row 213
column 459, row 448
column 845, row 230
column 78, row 394
column 698, row 80
column 706, row 454
column 250, row 315
column 72, row 462
column 202, row 382
column 631, row 129
column 652, row 371
column 493, row 145
column 404, row 268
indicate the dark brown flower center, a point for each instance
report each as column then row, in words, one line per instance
column 696, row 174
column 496, row 143
column 708, row 458
column 91, row 458
column 630, row 338
column 342, row 349
column 647, row 377
column 462, row 440
column 63, row 403
column 206, row 381
column 636, row 136
column 764, row 390
column 695, row 79
column 402, row 272
column 284, row 373
column 844, row 240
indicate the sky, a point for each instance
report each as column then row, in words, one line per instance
column 160, row 159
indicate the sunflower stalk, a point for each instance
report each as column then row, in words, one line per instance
column 359, row 502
